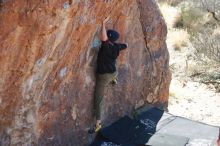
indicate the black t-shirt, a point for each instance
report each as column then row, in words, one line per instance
column 108, row 53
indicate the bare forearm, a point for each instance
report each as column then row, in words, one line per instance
column 104, row 33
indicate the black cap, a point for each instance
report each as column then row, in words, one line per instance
column 113, row 35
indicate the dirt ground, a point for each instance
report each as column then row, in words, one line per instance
column 195, row 101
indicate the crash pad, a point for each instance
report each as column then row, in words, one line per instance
column 155, row 127
column 127, row 131
column 167, row 140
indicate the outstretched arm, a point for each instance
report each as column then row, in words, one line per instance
column 104, row 33
column 122, row 46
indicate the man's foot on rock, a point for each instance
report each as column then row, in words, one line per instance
column 114, row 82
column 95, row 129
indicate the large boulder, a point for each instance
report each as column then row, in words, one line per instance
column 48, row 51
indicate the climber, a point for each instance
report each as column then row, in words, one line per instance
column 106, row 68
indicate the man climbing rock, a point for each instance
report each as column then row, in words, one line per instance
column 106, row 68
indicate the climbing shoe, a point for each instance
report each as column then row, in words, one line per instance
column 95, row 129
column 98, row 127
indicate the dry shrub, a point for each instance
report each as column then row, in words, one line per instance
column 170, row 14
column 178, row 23
column 174, row 2
column 179, row 38
column 207, row 45
column 194, row 69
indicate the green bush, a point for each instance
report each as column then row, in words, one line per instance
column 190, row 18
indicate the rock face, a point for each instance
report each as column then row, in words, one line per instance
column 48, row 52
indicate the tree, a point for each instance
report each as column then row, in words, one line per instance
column 211, row 6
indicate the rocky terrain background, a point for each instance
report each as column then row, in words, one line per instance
column 195, row 85
column 48, row 54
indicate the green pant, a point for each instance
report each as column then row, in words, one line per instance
column 102, row 82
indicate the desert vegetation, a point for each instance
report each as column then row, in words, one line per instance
column 196, row 25
column 194, row 45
